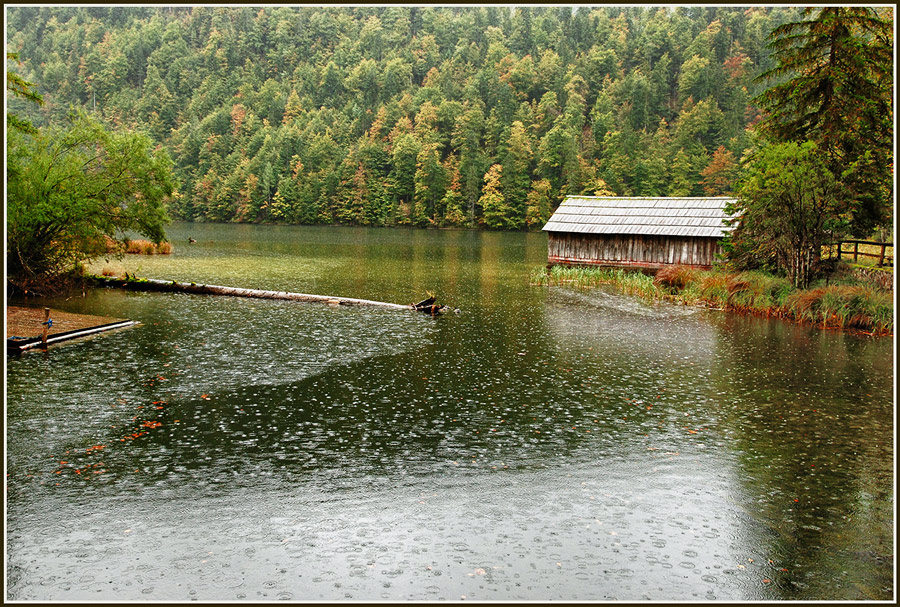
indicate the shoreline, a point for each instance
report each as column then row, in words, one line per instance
column 25, row 321
column 853, row 308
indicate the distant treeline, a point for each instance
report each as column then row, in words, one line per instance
column 476, row 116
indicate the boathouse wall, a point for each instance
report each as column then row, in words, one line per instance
column 631, row 250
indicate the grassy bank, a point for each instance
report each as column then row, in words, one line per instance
column 837, row 306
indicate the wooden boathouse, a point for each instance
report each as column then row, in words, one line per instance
column 643, row 233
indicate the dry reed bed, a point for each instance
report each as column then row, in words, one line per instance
column 146, row 247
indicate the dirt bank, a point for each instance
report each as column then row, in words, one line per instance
column 26, row 322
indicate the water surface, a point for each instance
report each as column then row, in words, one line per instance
column 543, row 444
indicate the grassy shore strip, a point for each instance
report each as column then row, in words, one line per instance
column 835, row 306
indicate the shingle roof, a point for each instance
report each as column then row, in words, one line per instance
column 634, row 215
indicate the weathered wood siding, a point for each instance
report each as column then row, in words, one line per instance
column 631, row 250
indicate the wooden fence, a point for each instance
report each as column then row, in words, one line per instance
column 884, row 259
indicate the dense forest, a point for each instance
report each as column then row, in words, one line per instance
column 426, row 116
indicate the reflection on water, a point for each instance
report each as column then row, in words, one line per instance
column 543, row 444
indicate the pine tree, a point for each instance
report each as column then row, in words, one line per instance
column 836, row 73
column 430, row 185
column 516, row 174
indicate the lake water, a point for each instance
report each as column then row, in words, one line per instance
column 542, row 444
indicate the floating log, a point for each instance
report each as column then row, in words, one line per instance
column 171, row 286
column 429, row 307
column 424, row 303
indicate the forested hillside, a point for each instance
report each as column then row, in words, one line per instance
column 475, row 116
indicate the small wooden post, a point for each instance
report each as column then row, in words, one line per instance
column 46, row 325
column 881, row 257
column 855, row 251
column 840, row 246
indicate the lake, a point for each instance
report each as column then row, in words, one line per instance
column 542, row 444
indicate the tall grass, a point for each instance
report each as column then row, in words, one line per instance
column 757, row 292
column 859, row 306
column 629, row 282
column 146, row 247
column 844, row 306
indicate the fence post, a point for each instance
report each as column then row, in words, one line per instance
column 881, row 257
column 46, row 325
column 855, row 251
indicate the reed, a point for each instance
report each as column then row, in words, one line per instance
column 676, row 277
column 857, row 306
column 757, row 292
column 146, row 247
column 629, row 282
column 713, row 288
column 844, row 306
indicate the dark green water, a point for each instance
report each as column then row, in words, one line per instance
column 544, row 444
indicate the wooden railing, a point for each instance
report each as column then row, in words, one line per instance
column 883, row 258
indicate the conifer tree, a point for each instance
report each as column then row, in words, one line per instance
column 836, row 81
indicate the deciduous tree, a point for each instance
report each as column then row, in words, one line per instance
column 788, row 207
column 72, row 189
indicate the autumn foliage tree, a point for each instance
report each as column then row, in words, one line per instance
column 720, row 174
